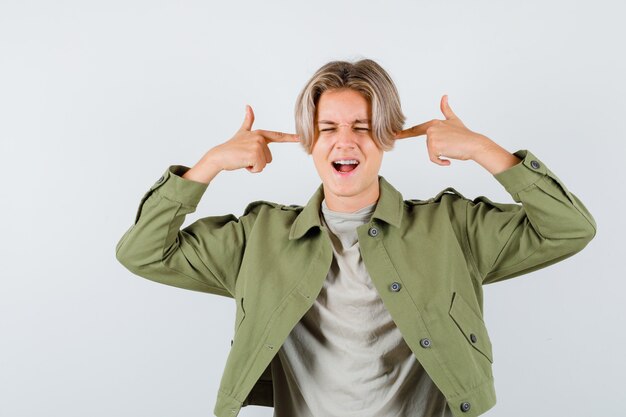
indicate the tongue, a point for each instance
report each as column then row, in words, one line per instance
column 346, row 168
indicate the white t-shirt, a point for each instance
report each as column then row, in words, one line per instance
column 346, row 357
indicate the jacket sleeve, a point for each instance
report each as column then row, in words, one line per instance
column 551, row 224
column 204, row 256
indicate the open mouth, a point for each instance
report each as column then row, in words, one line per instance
column 345, row 168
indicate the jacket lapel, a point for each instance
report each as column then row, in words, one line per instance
column 389, row 209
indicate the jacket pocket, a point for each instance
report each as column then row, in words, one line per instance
column 240, row 314
column 471, row 325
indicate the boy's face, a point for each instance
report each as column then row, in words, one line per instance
column 343, row 131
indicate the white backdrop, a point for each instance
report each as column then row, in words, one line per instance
column 98, row 98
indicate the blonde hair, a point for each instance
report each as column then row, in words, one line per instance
column 364, row 76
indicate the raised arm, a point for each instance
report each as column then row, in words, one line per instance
column 551, row 224
column 206, row 255
column 507, row 240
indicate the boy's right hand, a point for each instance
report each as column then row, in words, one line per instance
column 248, row 148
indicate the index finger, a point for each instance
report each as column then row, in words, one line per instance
column 274, row 136
column 416, row 130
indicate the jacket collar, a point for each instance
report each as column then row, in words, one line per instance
column 389, row 209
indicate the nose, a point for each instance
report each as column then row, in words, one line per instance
column 346, row 137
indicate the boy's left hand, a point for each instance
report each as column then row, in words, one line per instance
column 449, row 138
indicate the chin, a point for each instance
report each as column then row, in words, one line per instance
column 345, row 188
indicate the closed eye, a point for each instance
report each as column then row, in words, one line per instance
column 356, row 128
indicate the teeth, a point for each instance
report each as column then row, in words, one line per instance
column 346, row 161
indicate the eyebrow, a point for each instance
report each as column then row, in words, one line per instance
column 329, row 122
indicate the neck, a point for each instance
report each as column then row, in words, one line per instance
column 351, row 203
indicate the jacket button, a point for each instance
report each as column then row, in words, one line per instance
column 473, row 338
column 373, row 231
column 465, row 406
column 231, row 342
column 534, row 164
column 425, row 343
column 395, row 287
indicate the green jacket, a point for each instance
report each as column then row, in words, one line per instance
column 427, row 258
